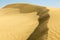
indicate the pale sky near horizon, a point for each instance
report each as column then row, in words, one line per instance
column 48, row 3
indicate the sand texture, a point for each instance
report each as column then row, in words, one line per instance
column 54, row 24
column 44, row 29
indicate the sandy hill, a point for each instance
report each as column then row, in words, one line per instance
column 43, row 19
column 53, row 23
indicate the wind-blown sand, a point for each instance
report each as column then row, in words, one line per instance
column 54, row 24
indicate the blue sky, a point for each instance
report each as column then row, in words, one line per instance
column 49, row 3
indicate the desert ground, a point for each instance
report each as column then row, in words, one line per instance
column 54, row 24
column 16, row 26
column 6, row 19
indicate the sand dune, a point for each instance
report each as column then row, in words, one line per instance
column 12, row 18
column 40, row 33
column 7, row 22
column 54, row 24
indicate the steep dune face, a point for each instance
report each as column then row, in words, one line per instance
column 54, row 24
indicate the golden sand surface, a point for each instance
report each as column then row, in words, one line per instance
column 54, row 24
column 17, row 26
column 9, row 21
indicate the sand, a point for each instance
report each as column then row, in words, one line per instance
column 17, row 26
column 54, row 24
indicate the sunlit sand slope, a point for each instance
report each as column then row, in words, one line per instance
column 15, row 25
column 54, row 24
